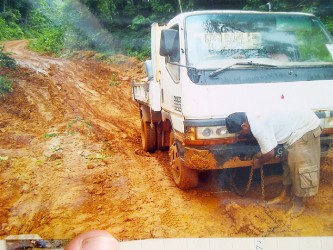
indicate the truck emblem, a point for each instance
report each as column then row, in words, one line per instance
column 177, row 103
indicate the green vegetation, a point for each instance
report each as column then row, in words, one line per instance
column 3, row 158
column 6, row 61
column 6, row 85
column 50, row 135
column 98, row 156
column 117, row 26
column 10, row 28
column 113, row 81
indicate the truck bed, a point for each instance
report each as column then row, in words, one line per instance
column 140, row 92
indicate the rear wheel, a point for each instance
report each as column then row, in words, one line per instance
column 184, row 177
column 148, row 136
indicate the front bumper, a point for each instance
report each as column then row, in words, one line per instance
column 234, row 155
column 219, row 156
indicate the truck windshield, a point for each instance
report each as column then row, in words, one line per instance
column 216, row 40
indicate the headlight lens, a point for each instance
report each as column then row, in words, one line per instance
column 207, row 132
column 222, row 131
column 212, row 132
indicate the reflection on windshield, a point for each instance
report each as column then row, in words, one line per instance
column 267, row 38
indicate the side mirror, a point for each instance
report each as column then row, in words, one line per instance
column 169, row 42
column 149, row 69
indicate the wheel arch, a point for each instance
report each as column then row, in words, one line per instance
column 149, row 115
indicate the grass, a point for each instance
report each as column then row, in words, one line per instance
column 3, row 158
column 50, row 135
column 99, row 156
column 113, row 81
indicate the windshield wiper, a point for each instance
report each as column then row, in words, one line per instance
column 250, row 63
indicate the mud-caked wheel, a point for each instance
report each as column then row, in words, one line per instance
column 148, row 136
column 184, row 177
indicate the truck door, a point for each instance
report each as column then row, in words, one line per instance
column 170, row 77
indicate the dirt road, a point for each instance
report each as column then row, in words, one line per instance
column 70, row 161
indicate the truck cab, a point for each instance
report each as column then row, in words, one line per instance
column 206, row 65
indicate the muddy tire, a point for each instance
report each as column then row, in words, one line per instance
column 184, row 177
column 159, row 139
column 162, row 138
column 148, row 137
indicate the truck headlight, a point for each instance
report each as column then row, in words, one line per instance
column 216, row 132
column 206, row 132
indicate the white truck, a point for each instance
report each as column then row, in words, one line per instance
column 206, row 65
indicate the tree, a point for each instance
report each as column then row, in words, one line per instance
column 120, row 25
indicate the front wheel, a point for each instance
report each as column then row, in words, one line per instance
column 184, row 177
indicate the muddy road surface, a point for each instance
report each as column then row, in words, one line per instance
column 71, row 161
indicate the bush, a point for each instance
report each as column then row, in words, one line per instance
column 48, row 34
column 5, row 60
column 9, row 23
column 51, row 40
column 5, row 85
